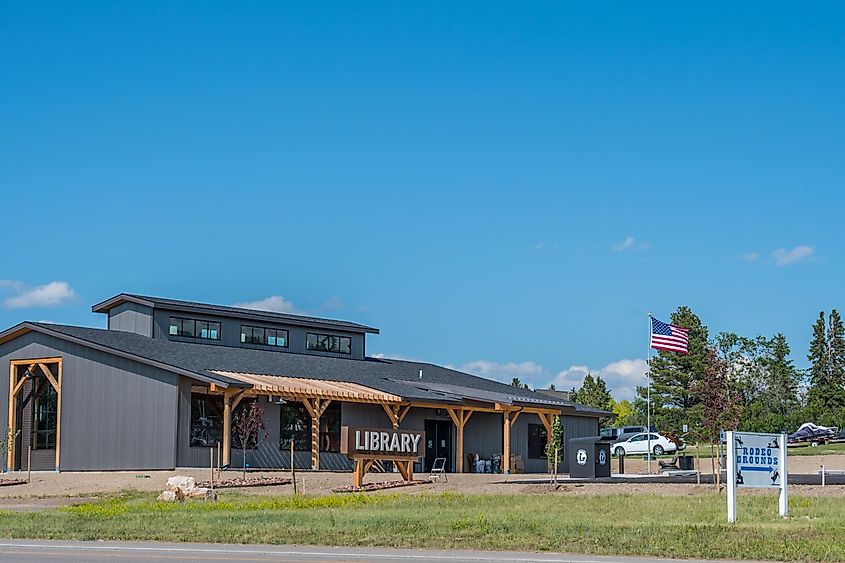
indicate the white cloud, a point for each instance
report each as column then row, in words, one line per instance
column 750, row 257
column 785, row 257
column 527, row 372
column 53, row 294
column 274, row 303
column 630, row 243
column 627, row 244
column 334, row 303
column 622, row 377
column 538, row 246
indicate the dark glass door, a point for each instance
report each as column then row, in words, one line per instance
column 438, row 443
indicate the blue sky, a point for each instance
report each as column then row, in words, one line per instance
column 507, row 188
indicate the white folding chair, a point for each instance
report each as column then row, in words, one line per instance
column 438, row 469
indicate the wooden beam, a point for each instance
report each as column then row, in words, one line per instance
column 392, row 413
column 227, row 426
column 59, row 420
column 514, row 415
column 10, row 454
column 454, row 416
column 403, row 413
column 238, row 397
column 49, row 375
column 506, row 443
column 19, row 386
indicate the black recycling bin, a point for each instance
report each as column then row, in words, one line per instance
column 589, row 457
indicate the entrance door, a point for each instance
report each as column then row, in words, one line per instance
column 438, row 443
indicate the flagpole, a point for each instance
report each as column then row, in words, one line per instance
column 648, row 395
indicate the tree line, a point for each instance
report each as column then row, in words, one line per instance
column 733, row 382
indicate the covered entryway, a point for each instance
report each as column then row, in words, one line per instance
column 35, row 399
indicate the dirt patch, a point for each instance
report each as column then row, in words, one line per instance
column 33, row 504
column 12, row 482
column 50, row 484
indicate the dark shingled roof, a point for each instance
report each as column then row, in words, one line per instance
column 398, row 377
column 227, row 311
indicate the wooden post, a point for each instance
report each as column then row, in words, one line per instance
column 211, row 466
column 316, row 410
column 59, row 418
column 292, row 466
column 459, row 419
column 506, row 443
column 10, row 457
column 227, row 427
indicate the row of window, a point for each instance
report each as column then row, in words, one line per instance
column 207, row 425
column 210, row 330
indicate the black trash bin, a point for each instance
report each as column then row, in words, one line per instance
column 685, row 462
column 589, row 457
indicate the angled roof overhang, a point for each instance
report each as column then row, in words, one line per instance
column 303, row 388
column 25, row 327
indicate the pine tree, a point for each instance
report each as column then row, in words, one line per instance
column 673, row 376
column 593, row 393
column 826, row 395
column 784, row 379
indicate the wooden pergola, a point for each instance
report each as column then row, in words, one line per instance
column 317, row 394
column 39, row 367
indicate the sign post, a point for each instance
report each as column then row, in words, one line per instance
column 756, row 461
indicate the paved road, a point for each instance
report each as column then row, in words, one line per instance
column 15, row 551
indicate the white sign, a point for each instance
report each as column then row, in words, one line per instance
column 581, row 457
column 602, row 457
column 757, row 461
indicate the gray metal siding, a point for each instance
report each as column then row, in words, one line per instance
column 132, row 317
column 483, row 436
column 231, row 334
column 116, row 413
column 576, row 427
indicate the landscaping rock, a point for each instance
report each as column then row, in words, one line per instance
column 182, row 482
column 201, row 493
column 167, row 496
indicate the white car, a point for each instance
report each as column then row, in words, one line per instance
column 638, row 444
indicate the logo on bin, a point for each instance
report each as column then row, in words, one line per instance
column 581, row 457
column 602, row 457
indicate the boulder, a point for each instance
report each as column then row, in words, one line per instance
column 167, row 496
column 187, row 484
column 201, row 493
column 180, row 494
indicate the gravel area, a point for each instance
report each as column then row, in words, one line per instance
column 82, row 484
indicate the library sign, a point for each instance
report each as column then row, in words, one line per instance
column 369, row 446
column 381, row 443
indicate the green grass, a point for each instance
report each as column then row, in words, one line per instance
column 648, row 525
column 802, row 450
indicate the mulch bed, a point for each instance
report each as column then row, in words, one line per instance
column 248, row 482
column 10, row 482
column 379, row 486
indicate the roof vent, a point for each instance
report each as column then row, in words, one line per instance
column 420, row 374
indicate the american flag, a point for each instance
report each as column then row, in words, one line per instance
column 669, row 337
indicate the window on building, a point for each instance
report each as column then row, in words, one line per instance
column 206, row 420
column 295, row 425
column 537, row 438
column 44, row 415
column 264, row 336
column 330, row 428
column 191, row 328
column 329, row 343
